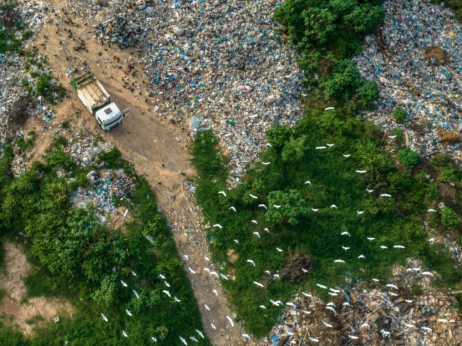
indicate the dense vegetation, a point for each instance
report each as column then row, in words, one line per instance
column 14, row 31
column 309, row 217
column 82, row 260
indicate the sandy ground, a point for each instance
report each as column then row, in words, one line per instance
column 11, row 281
column 158, row 150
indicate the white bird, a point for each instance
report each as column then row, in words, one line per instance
column 431, row 211
column 230, row 321
column 375, row 280
column 262, row 307
column 268, row 144
column 279, row 250
column 331, row 308
column 246, row 336
column 124, row 333
column 191, row 270
column 332, row 294
column 360, row 172
column 161, row 276
column 183, row 340
column 193, row 339
column 392, row 137
column 327, row 324
column 266, row 229
column 251, row 261
column 136, row 294
column 392, row 286
column 339, row 261
column 291, row 304
column 186, row 257
column 276, row 276
column 223, row 276
column 345, row 248
column 370, row 238
column 265, row 163
column 320, row 148
column 222, row 192
column 176, row 299
column 306, row 312
column 333, row 206
column 313, row 339
column 354, row 337
column 267, row 272
column 428, row 273
column 207, row 270
column 383, row 247
column 257, row 234
column 336, row 291
column 213, row 326
column 346, row 155
column 364, row 325
column 200, row 333
column 329, row 108
column 254, row 221
column 385, row 195
column 330, row 145
column 408, row 325
column 253, row 196
column 360, row 212
column 304, row 270
column 346, row 304
column 308, row 182
column 123, row 283
column 217, row 225
column 153, row 338
column 104, row 317
column 408, row 301
column 361, row 256
column 426, row 329
column 345, row 233
column 128, row 312
column 167, row 293
column 398, row 246
column 215, row 274
column 215, row 292
column 207, row 307
column 274, row 303
column 133, row 273
column 166, row 283
column 307, row 294
column 232, row 208
column 431, row 240
column 392, row 294
column 369, row 191
column 314, row 210
column 321, row 286
column 263, row 206
column 277, row 206
column 236, row 241
column 258, row 284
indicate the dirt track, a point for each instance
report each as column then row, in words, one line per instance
column 157, row 149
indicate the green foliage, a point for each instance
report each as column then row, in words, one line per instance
column 441, row 161
column 207, row 158
column 65, row 125
column 367, row 94
column 409, row 158
column 114, row 160
column 26, row 35
column 400, row 115
column 343, row 82
column 50, row 89
column 291, row 206
column 449, row 218
column 450, row 174
column 293, row 149
column 278, row 135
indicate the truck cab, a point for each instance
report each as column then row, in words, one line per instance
column 109, row 116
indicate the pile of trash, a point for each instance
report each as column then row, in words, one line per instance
column 406, row 311
column 219, row 63
column 415, row 58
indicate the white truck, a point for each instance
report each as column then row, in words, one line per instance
column 98, row 102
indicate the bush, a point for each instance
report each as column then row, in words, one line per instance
column 449, row 218
column 367, row 94
column 400, row 115
column 51, row 90
column 409, row 158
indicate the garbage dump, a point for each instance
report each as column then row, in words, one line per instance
column 405, row 311
column 218, row 62
column 415, row 59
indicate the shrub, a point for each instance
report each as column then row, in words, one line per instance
column 409, row 158
column 49, row 89
column 449, row 218
column 367, row 94
column 400, row 115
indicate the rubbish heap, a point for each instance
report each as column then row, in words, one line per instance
column 415, row 58
column 216, row 61
column 406, row 311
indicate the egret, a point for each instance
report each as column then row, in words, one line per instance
column 383, row 247
column 392, row 294
column 266, row 229
column 128, row 312
column 279, row 250
column 246, row 336
column 364, row 325
column 345, row 233
column 385, row 195
column 200, row 333
column 307, row 294
column 345, row 248
column 330, row 303
column 136, row 294
column 332, row 294
column 375, row 280
column 207, row 307
column 320, row 148
column 230, row 321
column 263, row 206
column 392, row 137
column 314, row 210
column 408, row 325
column 306, row 312
column 330, row 145
column 124, row 333
column 253, row 196
column 313, row 339
column 308, row 182
column 215, row 274
column 392, row 286
column 213, row 326
column 267, row 272
column 361, row 256
column 161, row 276
column 183, row 340
column 223, row 276
column 346, row 304
column 251, row 261
column 275, row 303
column 258, row 284
column 331, row 308
column 327, row 324
column 304, row 270
column 346, row 155
column 334, row 290
column 339, row 261
column 217, row 225
column 408, row 301
column 193, row 339
column 360, row 212
column 321, row 286
column 360, row 172
column 431, row 211
column 370, row 238
column 354, row 337
column 222, row 192
column 186, row 257
column 254, row 221
column 215, row 292
column 153, row 338
column 443, row 320
column 262, row 307
column 104, row 317
column 431, row 240
column 428, row 273
column 191, row 270
column 133, row 273
column 167, row 293
column 257, row 234
column 207, row 270
column 291, row 304
column 236, row 241
column 369, row 191
column 123, row 283
column 176, row 299
column 265, row 163
column 333, row 206
column 398, row 246
column 268, row 144
column 232, row 208
column 276, row 276
column 426, row 329
column 385, row 333
column 277, row 206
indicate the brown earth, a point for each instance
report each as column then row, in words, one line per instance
column 11, row 282
column 158, row 150
column 436, row 54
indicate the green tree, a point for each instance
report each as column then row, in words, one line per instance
column 367, row 94
column 400, row 115
column 449, row 218
column 409, row 158
column 343, row 83
column 278, row 135
column 294, row 149
column 292, row 206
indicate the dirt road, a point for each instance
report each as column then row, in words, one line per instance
column 157, row 149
